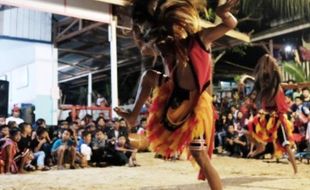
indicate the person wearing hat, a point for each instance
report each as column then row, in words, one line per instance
column 15, row 116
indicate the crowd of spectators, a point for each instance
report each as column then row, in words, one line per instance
column 82, row 143
column 235, row 113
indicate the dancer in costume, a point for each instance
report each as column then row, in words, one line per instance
column 181, row 116
column 271, row 125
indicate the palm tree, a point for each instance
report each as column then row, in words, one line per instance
column 295, row 70
column 276, row 9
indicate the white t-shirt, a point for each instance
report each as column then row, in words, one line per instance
column 116, row 134
column 99, row 100
column 16, row 119
column 86, row 151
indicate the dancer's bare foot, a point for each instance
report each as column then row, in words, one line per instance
column 136, row 164
column 260, row 148
column 291, row 158
column 131, row 163
column 250, row 155
column 127, row 115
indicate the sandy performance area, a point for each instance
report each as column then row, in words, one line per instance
column 156, row 174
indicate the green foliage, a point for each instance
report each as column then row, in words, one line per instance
column 281, row 8
column 295, row 70
column 208, row 15
column 237, row 78
column 211, row 15
column 241, row 50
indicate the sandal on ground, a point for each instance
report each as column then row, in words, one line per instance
column 72, row 167
column 45, row 168
column 30, row 168
column 137, row 165
column 60, row 167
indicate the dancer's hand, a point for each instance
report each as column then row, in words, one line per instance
column 225, row 8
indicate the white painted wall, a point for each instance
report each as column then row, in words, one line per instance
column 17, row 65
column 29, row 62
column 46, row 77
column 33, row 77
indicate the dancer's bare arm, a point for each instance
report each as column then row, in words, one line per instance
column 228, row 22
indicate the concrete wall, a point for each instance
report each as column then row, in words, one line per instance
column 34, row 80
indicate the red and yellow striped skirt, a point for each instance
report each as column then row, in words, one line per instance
column 199, row 124
column 274, row 128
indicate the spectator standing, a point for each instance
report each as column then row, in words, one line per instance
column 15, row 116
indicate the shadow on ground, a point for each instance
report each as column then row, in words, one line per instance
column 228, row 182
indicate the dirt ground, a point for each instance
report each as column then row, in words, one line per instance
column 156, row 174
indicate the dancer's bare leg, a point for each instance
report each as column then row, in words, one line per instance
column 148, row 81
column 291, row 157
column 201, row 156
column 259, row 148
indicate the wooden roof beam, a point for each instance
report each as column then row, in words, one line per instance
column 116, row 2
column 274, row 32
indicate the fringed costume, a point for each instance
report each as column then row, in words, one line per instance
column 178, row 116
column 181, row 116
column 273, row 126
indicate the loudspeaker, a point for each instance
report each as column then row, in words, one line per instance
column 4, row 97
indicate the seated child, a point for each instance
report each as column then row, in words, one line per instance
column 99, row 147
column 40, row 146
column 124, row 153
column 8, row 152
column 62, row 146
column 84, row 148
column 24, row 146
column 141, row 129
column 236, row 144
column 4, row 132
